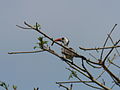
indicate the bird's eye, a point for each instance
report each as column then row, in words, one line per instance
column 62, row 38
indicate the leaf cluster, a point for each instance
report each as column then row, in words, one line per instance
column 41, row 43
column 4, row 85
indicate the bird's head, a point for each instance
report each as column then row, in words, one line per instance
column 64, row 40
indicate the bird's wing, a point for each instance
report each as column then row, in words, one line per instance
column 67, row 52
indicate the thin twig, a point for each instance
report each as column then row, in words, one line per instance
column 113, row 44
column 113, row 86
column 93, row 79
column 104, row 70
column 111, row 74
column 98, row 67
column 114, row 64
column 90, row 76
column 22, row 27
column 92, row 64
column 85, row 82
column 74, row 82
column 110, row 51
column 60, row 85
column 105, row 67
column 99, row 48
column 93, row 56
column 85, row 76
column 106, row 41
column 25, row 52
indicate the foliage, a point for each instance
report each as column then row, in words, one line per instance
column 41, row 43
column 4, row 85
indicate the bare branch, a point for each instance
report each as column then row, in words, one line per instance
column 105, row 67
column 93, row 79
column 113, row 44
column 113, row 64
column 111, row 74
column 60, row 85
column 22, row 27
column 104, row 70
column 99, row 48
column 106, row 41
column 89, row 74
column 74, row 82
column 25, row 52
column 110, row 51
column 113, row 86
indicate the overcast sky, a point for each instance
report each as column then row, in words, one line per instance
column 85, row 22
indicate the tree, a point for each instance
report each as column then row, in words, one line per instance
column 89, row 66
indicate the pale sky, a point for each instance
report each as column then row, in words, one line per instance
column 85, row 22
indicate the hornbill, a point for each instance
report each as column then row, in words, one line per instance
column 66, row 53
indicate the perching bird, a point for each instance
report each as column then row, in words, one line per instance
column 66, row 53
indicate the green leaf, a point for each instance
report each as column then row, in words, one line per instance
column 40, row 43
column 4, row 85
column 35, row 47
column 40, row 38
column 45, row 42
column 14, row 87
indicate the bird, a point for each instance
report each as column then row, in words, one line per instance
column 65, row 52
